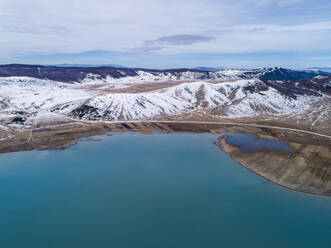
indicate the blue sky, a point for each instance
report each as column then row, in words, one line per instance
column 165, row 34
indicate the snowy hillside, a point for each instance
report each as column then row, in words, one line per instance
column 27, row 97
column 23, row 99
column 67, row 74
column 230, row 99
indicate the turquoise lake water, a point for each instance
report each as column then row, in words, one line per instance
column 163, row 190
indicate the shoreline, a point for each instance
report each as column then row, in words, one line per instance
column 268, row 179
column 292, row 168
column 289, row 170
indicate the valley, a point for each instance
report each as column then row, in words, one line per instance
column 273, row 103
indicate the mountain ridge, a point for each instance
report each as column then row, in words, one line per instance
column 72, row 74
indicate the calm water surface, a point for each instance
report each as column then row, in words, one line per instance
column 251, row 143
column 174, row 190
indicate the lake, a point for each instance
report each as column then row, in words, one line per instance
column 162, row 190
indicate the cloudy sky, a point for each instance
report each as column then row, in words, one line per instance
column 167, row 33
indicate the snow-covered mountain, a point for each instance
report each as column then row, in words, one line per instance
column 323, row 69
column 271, row 73
column 82, row 74
column 225, row 93
column 231, row 99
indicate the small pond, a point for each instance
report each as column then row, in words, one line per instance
column 251, row 143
